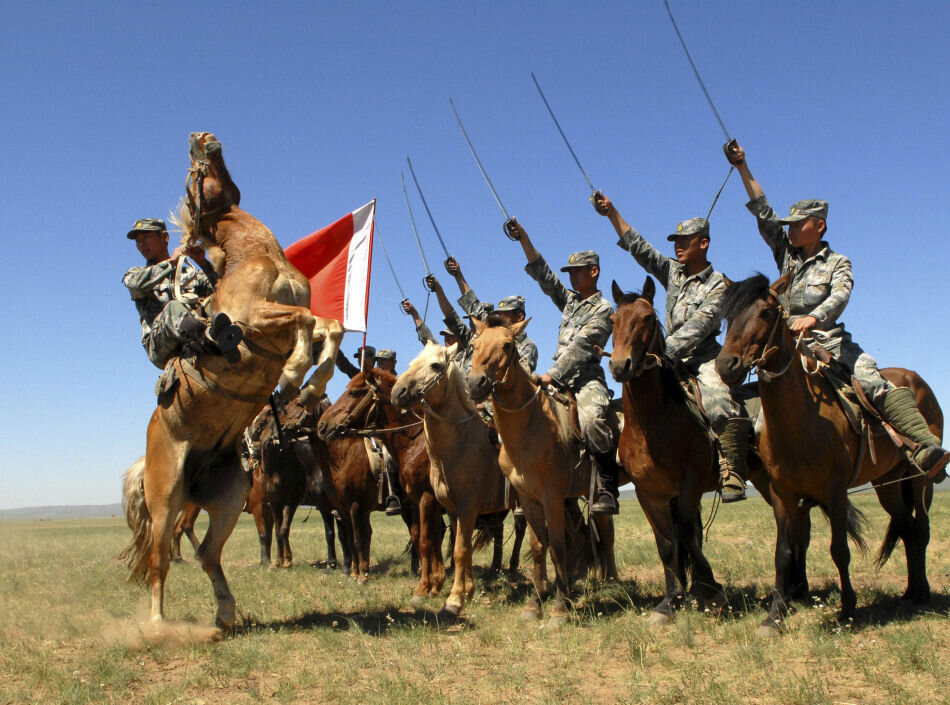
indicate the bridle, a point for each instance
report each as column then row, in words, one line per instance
column 771, row 348
column 429, row 386
column 497, row 384
column 370, row 403
column 196, row 176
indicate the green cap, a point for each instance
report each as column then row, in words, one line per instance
column 693, row 226
column 143, row 225
column 511, row 303
column 809, row 208
column 584, row 258
column 386, row 354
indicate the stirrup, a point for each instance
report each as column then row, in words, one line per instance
column 605, row 503
column 732, row 488
column 393, row 506
column 935, row 469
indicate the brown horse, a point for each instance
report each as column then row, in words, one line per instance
column 665, row 449
column 365, row 409
column 193, row 435
column 463, row 461
column 541, row 457
column 185, row 526
column 813, row 456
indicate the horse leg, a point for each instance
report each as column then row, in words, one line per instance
column 164, row 497
column 708, row 591
column 910, row 524
column 607, row 562
column 430, row 540
column 659, row 514
column 283, row 535
column 496, row 527
column 463, row 586
column 554, row 513
column 269, row 318
column 329, row 534
column 784, row 564
column 330, row 332
column 264, row 519
column 520, row 526
column 841, row 553
column 798, row 575
column 537, row 537
column 345, row 531
column 362, row 531
column 224, row 509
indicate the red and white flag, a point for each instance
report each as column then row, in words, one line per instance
column 337, row 260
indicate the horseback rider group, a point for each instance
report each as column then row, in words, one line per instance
column 171, row 297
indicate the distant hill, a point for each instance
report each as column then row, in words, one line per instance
column 81, row 511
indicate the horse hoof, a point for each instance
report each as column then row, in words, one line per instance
column 659, row 619
column 449, row 613
column 768, row 630
column 417, row 601
column 530, row 614
column 450, row 608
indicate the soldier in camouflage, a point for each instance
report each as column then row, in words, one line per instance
column 386, row 360
column 694, row 293
column 586, row 325
column 173, row 322
column 366, row 355
column 817, row 295
column 510, row 310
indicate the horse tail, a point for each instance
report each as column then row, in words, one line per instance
column 486, row 524
column 582, row 554
column 891, row 537
column 482, row 538
column 857, row 523
column 136, row 554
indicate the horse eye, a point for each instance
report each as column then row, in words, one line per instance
column 437, row 367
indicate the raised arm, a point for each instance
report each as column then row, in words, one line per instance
column 770, row 228
column 537, row 268
column 646, row 255
column 422, row 330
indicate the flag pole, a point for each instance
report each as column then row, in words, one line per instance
column 369, row 279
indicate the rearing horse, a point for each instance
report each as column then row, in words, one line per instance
column 665, row 449
column 813, row 456
column 541, row 457
column 194, row 433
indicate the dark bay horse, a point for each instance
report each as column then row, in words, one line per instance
column 365, row 409
column 463, row 468
column 665, row 449
column 813, row 456
column 193, row 436
column 541, row 457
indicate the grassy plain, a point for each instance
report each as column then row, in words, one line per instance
column 70, row 629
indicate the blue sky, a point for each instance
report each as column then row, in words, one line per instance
column 318, row 105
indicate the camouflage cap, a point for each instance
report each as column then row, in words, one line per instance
column 444, row 332
column 386, row 354
column 693, row 226
column 370, row 352
column 147, row 225
column 584, row 258
column 486, row 309
column 511, row 303
column 809, row 208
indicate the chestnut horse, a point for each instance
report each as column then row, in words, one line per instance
column 813, row 456
column 463, row 461
column 365, row 409
column 542, row 459
column 194, row 433
column 668, row 453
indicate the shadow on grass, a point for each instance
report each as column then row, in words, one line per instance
column 376, row 623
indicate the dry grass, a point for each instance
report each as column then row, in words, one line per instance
column 70, row 630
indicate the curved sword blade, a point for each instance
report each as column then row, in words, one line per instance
column 435, row 227
column 413, row 221
column 563, row 136
column 390, row 263
column 479, row 162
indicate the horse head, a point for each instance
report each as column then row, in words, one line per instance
column 210, row 191
column 754, row 315
column 427, row 374
column 638, row 335
column 363, row 406
column 494, row 353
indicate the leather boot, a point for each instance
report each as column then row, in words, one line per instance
column 900, row 410
column 607, row 471
column 734, row 442
column 393, row 505
column 226, row 336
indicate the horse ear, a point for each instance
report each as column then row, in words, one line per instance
column 518, row 328
column 649, row 289
column 451, row 350
column 781, row 284
column 616, row 291
column 480, row 325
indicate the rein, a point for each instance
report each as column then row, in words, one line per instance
column 504, row 378
column 372, row 397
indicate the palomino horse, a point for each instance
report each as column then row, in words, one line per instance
column 194, row 433
column 813, row 456
column 665, row 449
column 365, row 410
column 541, row 457
column 463, row 461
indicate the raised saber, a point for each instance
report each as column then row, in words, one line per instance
column 478, row 161
column 563, row 136
column 393, row 270
column 696, row 71
column 415, row 232
column 428, row 212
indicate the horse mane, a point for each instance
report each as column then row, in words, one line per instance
column 379, row 374
column 740, row 295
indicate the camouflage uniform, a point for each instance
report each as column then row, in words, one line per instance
column 693, row 316
column 153, row 290
column 585, row 323
column 820, row 287
column 527, row 350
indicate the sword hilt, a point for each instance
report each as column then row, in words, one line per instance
column 729, row 149
column 511, row 228
column 402, row 307
column 429, row 281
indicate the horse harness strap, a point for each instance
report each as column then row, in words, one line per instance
column 259, row 350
